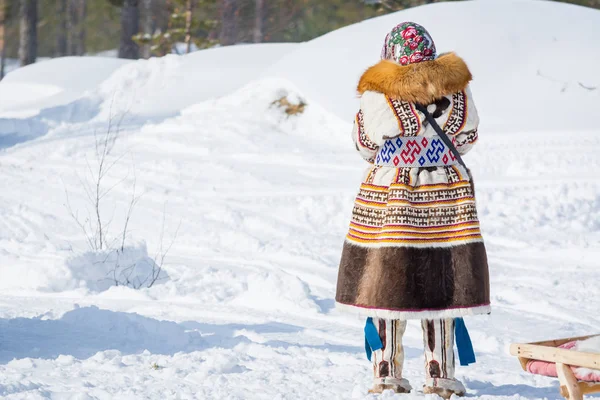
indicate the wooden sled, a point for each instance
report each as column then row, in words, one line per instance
column 570, row 387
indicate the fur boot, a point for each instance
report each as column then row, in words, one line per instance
column 380, row 387
column 444, row 388
column 397, row 385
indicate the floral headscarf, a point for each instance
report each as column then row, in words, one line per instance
column 408, row 43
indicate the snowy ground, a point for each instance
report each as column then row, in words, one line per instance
column 258, row 205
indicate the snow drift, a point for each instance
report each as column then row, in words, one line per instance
column 534, row 63
column 100, row 270
column 155, row 86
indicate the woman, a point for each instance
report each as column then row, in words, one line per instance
column 414, row 249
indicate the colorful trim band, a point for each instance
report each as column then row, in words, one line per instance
column 415, row 151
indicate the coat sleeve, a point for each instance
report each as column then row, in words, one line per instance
column 374, row 123
column 365, row 146
column 467, row 134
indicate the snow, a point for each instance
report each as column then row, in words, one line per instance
column 591, row 345
column 257, row 203
column 177, row 79
column 35, row 99
column 99, row 270
column 54, row 82
column 511, row 51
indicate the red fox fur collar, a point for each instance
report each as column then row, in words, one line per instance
column 422, row 82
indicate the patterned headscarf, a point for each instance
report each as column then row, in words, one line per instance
column 408, row 43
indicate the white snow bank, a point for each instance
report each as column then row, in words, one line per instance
column 53, row 83
column 100, row 270
column 158, row 86
column 534, row 62
column 591, row 345
column 74, row 73
column 259, row 115
column 283, row 292
column 84, row 272
column 164, row 86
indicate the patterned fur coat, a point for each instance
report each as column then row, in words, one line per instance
column 414, row 248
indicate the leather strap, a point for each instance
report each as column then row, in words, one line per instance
column 447, row 141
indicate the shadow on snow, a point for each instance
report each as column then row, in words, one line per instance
column 487, row 388
column 14, row 131
column 85, row 331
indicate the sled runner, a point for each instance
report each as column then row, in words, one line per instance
column 575, row 361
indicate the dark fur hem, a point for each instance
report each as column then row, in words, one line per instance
column 430, row 279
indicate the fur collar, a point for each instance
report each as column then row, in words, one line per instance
column 422, row 82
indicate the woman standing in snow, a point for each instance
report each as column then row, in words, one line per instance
column 414, row 248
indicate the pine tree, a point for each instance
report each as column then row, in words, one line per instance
column 184, row 26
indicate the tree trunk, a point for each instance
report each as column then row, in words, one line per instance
column 165, row 21
column 148, row 27
column 72, row 23
column 228, row 22
column 81, row 14
column 188, row 26
column 75, row 23
column 28, row 31
column 2, row 41
column 61, row 36
column 258, row 20
column 130, row 23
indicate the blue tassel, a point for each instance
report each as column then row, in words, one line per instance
column 372, row 339
column 464, row 346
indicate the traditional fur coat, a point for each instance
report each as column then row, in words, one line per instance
column 414, row 249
